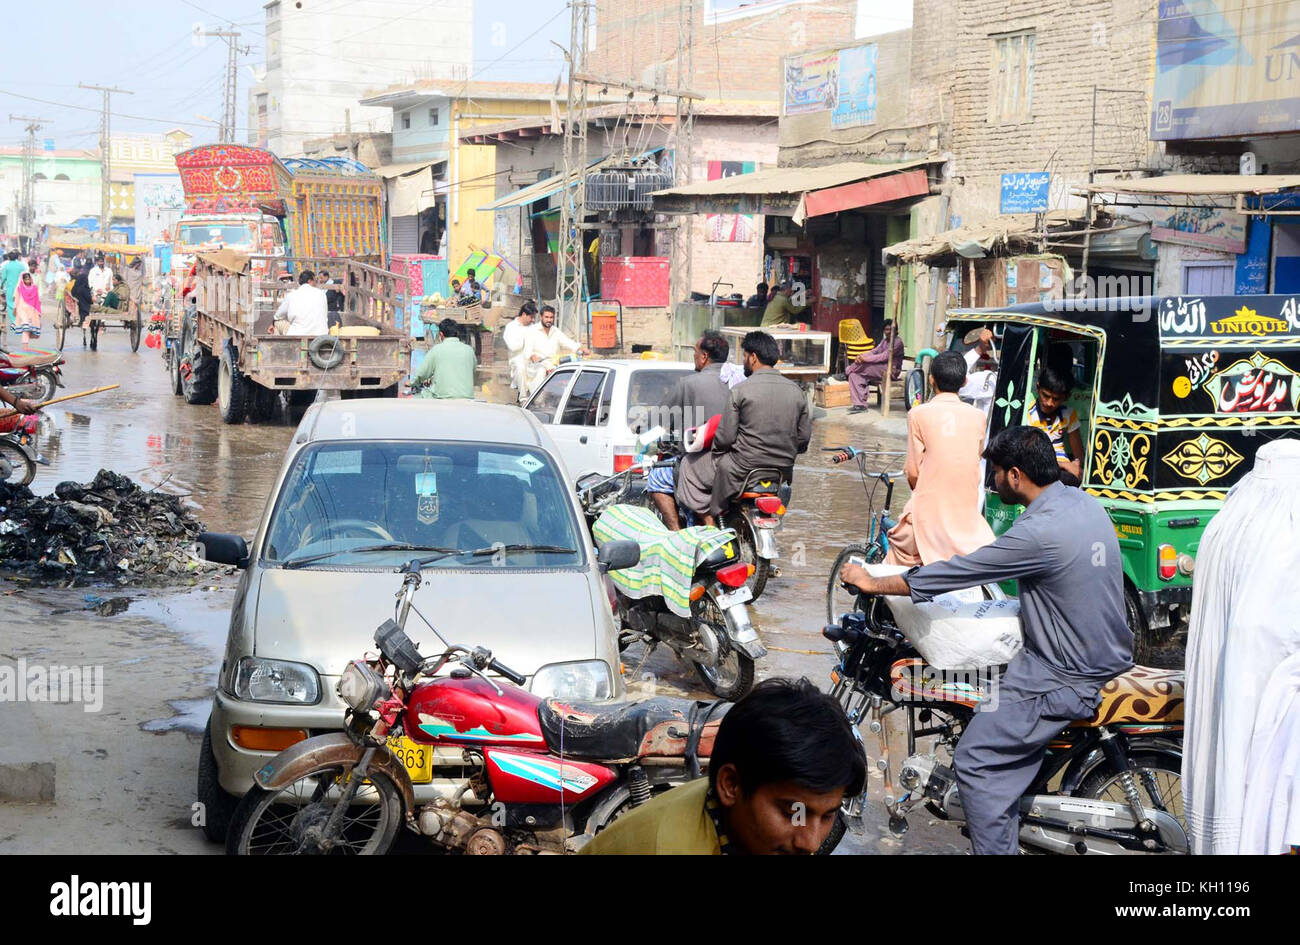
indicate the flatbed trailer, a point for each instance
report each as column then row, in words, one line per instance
column 229, row 353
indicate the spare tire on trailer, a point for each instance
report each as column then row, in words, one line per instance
column 326, row 361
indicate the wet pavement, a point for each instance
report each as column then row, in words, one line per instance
column 163, row 645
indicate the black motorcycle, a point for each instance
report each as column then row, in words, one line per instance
column 1111, row 784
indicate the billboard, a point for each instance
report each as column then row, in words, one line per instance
column 810, row 82
column 159, row 202
column 842, row 82
column 1226, row 67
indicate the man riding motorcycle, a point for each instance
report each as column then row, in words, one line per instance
column 1064, row 553
column 766, row 424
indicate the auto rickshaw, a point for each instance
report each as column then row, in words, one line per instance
column 116, row 256
column 1174, row 396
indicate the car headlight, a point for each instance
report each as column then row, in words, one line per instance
column 360, row 686
column 264, row 680
column 588, row 679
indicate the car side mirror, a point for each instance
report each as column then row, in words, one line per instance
column 618, row 555
column 224, row 549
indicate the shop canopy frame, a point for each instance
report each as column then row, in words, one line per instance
column 802, row 192
column 1199, row 190
column 549, row 186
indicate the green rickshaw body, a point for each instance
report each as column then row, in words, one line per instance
column 1174, row 395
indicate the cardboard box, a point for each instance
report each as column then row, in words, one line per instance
column 832, row 394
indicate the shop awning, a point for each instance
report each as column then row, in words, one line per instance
column 552, row 185
column 1199, row 185
column 800, row 192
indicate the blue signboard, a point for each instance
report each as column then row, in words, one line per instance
column 49, row 144
column 855, row 99
column 1025, row 193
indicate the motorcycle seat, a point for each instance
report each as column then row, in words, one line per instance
column 760, row 482
column 622, row 731
column 1143, row 695
column 31, row 360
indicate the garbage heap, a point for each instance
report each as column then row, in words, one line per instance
column 109, row 528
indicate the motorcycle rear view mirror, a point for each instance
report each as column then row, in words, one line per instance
column 618, row 555
column 224, row 549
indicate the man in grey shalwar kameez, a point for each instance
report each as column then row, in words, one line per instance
column 766, row 425
column 1063, row 551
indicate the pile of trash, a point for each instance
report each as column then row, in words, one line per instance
column 109, row 528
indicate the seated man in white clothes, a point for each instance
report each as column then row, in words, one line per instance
column 304, row 311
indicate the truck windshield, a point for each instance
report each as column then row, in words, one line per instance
column 227, row 234
column 359, row 504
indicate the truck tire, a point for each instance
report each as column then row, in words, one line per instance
column 199, row 386
column 232, row 389
column 262, row 402
column 319, row 356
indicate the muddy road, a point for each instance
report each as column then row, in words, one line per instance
column 126, row 774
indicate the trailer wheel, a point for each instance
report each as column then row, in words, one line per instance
column 199, row 382
column 232, row 388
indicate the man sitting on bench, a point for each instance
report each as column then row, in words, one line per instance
column 869, row 368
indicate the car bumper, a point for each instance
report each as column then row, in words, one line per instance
column 235, row 765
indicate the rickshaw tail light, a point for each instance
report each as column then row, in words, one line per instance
column 1166, row 562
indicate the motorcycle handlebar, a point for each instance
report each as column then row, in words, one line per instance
column 502, row 670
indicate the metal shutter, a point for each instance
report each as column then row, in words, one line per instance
column 404, row 234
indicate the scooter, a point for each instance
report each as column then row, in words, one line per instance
column 35, row 377
column 703, row 615
column 513, row 773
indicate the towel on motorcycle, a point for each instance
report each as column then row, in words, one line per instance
column 957, row 630
column 668, row 558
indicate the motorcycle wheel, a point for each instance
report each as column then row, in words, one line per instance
column 749, row 552
column 287, row 822
column 16, row 467
column 48, row 386
column 838, row 600
column 733, row 677
column 1159, row 782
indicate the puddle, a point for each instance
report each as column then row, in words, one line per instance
column 191, row 716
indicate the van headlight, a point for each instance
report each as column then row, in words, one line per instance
column 265, row 680
column 585, row 680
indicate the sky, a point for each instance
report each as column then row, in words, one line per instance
column 148, row 47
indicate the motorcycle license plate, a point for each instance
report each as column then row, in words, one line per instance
column 416, row 758
column 741, row 595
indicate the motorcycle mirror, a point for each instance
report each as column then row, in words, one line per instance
column 224, row 549
column 618, row 555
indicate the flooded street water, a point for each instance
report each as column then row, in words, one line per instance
column 162, row 646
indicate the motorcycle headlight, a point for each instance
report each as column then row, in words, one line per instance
column 585, row 680
column 360, row 686
column 265, row 680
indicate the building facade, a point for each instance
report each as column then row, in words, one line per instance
column 321, row 63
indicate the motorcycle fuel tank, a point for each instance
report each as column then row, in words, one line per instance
column 470, row 712
column 522, row 777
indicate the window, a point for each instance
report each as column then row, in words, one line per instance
column 1011, row 96
column 646, row 393
column 406, row 120
column 580, row 408
column 433, row 117
column 547, row 400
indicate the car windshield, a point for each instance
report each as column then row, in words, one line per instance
column 377, row 504
column 646, row 393
column 228, row 234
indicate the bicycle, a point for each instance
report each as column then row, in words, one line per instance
column 873, row 550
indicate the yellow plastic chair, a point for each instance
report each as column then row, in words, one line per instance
column 853, row 341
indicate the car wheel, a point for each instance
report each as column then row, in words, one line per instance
column 218, row 806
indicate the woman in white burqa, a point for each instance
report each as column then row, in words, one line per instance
column 1241, row 765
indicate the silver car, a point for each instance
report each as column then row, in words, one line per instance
column 367, row 485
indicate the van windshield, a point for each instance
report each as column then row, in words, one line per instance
column 373, row 504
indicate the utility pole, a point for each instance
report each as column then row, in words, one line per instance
column 570, row 276
column 684, row 135
column 105, row 156
column 27, row 205
column 231, row 85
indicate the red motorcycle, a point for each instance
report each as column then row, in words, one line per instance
column 34, row 377
column 474, row 766
column 18, row 455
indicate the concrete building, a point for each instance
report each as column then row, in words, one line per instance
column 66, row 186
column 145, row 190
column 632, row 253
column 438, row 180
column 320, row 63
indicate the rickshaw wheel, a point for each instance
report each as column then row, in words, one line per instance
column 60, row 335
column 135, row 334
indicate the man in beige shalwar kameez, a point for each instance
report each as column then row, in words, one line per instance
column 945, row 438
